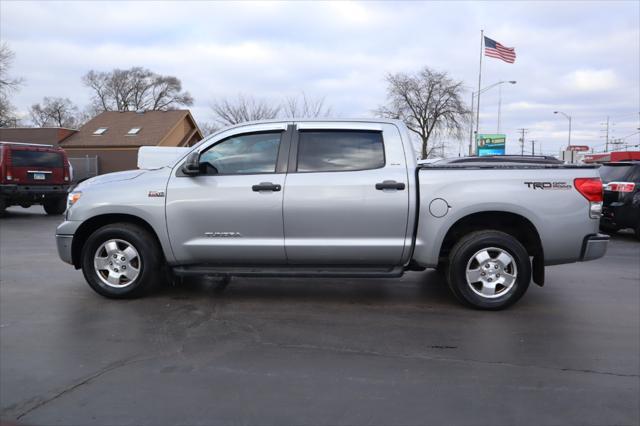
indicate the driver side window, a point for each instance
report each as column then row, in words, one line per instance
column 243, row 154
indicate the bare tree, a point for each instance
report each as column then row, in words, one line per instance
column 58, row 112
column 207, row 128
column 429, row 103
column 303, row 106
column 135, row 89
column 8, row 84
column 243, row 108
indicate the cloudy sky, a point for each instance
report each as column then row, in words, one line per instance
column 582, row 58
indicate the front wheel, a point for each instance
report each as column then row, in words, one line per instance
column 489, row 270
column 122, row 260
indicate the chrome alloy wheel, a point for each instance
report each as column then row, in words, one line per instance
column 117, row 263
column 491, row 272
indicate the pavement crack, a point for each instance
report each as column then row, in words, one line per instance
column 443, row 359
column 38, row 403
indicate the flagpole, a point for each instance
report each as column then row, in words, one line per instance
column 478, row 94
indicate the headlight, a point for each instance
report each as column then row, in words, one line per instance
column 73, row 198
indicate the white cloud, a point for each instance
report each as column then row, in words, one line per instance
column 589, row 80
column 342, row 51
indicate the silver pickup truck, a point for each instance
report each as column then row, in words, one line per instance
column 332, row 199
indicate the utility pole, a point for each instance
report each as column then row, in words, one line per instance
column 522, row 132
column 606, row 134
column 533, row 147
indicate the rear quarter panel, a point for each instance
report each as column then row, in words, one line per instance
column 561, row 216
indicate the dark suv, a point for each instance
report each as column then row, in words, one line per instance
column 621, row 208
column 33, row 174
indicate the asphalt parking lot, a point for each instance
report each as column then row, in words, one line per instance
column 302, row 351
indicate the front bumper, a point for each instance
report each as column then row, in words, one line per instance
column 594, row 247
column 64, row 248
column 64, row 239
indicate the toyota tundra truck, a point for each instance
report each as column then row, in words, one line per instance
column 319, row 198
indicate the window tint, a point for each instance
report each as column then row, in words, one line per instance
column 332, row 151
column 21, row 158
column 614, row 173
column 255, row 153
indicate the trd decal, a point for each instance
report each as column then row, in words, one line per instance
column 548, row 185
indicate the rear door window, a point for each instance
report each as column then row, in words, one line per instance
column 24, row 158
column 339, row 151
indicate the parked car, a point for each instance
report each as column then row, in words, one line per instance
column 621, row 207
column 332, row 199
column 33, row 174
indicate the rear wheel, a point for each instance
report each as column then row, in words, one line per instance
column 489, row 270
column 122, row 260
column 55, row 205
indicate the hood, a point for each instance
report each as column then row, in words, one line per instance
column 155, row 157
column 110, row 177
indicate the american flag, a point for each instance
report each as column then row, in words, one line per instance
column 495, row 50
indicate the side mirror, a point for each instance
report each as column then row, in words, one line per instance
column 191, row 167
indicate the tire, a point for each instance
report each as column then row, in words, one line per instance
column 55, row 206
column 118, row 282
column 609, row 229
column 3, row 206
column 638, row 231
column 493, row 257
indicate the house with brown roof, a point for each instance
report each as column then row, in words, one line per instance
column 112, row 139
column 39, row 135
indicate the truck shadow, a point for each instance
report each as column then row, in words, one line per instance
column 426, row 287
column 22, row 213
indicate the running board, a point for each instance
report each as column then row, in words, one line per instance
column 291, row 271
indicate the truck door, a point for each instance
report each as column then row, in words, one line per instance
column 346, row 197
column 232, row 211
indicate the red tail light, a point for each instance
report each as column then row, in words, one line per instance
column 590, row 188
column 620, row 186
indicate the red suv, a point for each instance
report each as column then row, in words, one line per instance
column 33, row 174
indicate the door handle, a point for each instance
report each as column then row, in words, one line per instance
column 266, row 186
column 390, row 184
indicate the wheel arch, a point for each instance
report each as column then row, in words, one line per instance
column 511, row 223
column 92, row 224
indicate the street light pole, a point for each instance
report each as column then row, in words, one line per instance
column 471, row 126
column 476, row 95
column 568, row 117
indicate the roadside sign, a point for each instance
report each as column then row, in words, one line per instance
column 490, row 144
column 577, row 148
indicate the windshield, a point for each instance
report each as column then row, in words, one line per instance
column 23, row 158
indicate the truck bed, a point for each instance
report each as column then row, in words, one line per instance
column 544, row 194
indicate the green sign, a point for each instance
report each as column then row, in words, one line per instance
column 493, row 144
